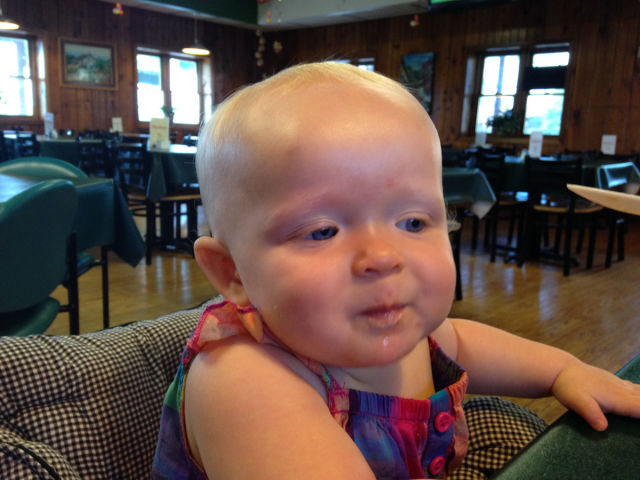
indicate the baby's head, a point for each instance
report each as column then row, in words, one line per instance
column 322, row 187
column 263, row 119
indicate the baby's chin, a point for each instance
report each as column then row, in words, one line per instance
column 385, row 352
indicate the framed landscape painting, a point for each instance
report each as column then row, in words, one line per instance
column 87, row 64
column 416, row 73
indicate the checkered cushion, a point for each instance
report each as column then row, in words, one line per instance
column 87, row 406
column 498, row 429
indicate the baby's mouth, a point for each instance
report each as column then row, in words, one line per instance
column 382, row 316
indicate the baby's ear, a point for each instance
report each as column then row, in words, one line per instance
column 218, row 266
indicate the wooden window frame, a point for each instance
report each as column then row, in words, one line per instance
column 36, row 78
column 526, row 53
column 166, row 84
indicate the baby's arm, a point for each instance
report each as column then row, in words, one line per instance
column 250, row 415
column 504, row 364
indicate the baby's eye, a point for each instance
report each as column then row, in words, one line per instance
column 413, row 225
column 323, row 233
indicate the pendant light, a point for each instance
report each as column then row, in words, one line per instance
column 6, row 23
column 197, row 48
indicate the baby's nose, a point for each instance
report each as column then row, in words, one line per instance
column 376, row 257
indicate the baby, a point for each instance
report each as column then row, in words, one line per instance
column 333, row 356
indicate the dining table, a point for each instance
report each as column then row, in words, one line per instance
column 570, row 448
column 175, row 165
column 170, row 168
column 468, row 188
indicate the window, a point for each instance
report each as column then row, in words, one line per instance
column 171, row 82
column 20, row 93
column 543, row 110
column 527, row 81
column 499, row 87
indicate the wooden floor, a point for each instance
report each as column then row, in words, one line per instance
column 594, row 314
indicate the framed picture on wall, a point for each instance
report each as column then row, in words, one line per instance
column 416, row 73
column 87, row 64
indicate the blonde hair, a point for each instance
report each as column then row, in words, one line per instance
column 222, row 138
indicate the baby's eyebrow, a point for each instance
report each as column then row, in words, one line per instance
column 287, row 216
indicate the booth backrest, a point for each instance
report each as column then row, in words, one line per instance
column 87, row 406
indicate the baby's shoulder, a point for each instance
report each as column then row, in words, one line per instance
column 240, row 361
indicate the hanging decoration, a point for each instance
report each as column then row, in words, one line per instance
column 117, row 10
column 260, row 49
column 415, row 21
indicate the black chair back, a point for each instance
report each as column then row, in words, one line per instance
column 492, row 165
column 547, row 180
column 452, row 157
column 27, row 144
column 133, row 167
column 95, row 157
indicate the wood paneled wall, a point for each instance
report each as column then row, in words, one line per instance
column 603, row 94
column 92, row 20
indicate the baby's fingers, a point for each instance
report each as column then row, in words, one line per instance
column 591, row 391
column 623, row 399
column 589, row 409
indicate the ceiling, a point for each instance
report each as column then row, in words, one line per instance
column 281, row 14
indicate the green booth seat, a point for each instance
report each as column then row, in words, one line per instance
column 41, row 167
column 34, row 229
column 45, row 168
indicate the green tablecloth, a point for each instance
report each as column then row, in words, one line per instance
column 175, row 166
column 572, row 449
column 102, row 218
column 467, row 187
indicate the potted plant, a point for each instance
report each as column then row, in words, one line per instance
column 506, row 124
column 168, row 112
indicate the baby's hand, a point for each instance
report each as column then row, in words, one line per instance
column 590, row 391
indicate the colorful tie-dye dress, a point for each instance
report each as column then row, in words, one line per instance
column 400, row 438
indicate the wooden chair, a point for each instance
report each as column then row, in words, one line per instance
column 550, row 199
column 508, row 202
column 34, row 229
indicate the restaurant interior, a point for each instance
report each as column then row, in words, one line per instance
column 526, row 97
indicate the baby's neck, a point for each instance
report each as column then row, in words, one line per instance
column 409, row 377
